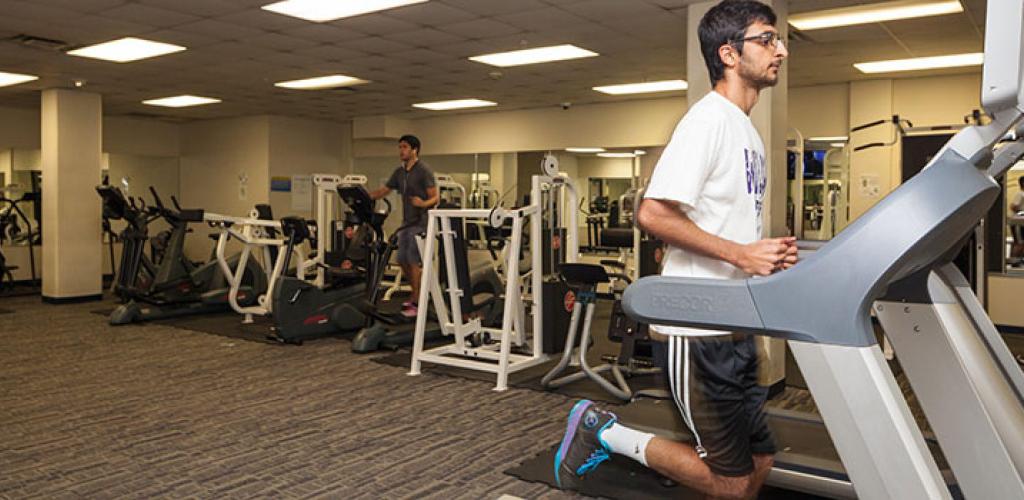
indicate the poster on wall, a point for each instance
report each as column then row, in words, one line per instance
column 281, row 184
column 302, row 193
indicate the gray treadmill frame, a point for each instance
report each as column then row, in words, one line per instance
column 903, row 240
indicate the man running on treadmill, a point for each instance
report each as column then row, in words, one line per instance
column 705, row 201
column 415, row 182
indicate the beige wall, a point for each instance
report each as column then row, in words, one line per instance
column 615, row 124
column 820, row 110
column 133, row 136
column 215, row 154
column 19, row 128
column 305, row 147
column 831, row 110
column 1004, row 293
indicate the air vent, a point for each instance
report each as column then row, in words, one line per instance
column 37, row 42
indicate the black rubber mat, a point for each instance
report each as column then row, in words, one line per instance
column 625, row 479
column 19, row 291
column 224, row 324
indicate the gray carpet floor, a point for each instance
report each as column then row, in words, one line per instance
column 154, row 411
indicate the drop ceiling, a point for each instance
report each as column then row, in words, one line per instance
column 236, row 51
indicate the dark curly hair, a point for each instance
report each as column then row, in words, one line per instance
column 725, row 23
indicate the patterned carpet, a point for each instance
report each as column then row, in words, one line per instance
column 154, row 411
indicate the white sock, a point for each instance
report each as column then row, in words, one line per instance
column 625, row 441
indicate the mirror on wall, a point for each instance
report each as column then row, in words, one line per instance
column 20, row 197
column 818, row 194
column 1013, row 229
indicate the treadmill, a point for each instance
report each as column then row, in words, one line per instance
column 895, row 260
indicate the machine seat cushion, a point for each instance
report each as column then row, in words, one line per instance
column 585, row 275
column 617, row 237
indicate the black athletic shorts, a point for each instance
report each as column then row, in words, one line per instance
column 726, row 402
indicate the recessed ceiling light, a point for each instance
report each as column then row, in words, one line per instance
column 838, row 144
column 328, row 10
column 919, row 63
column 181, row 101
column 831, row 138
column 126, row 49
column 616, row 155
column 8, row 79
column 322, row 82
column 585, row 150
column 639, row 152
column 873, row 13
column 456, row 104
column 642, row 88
column 534, row 56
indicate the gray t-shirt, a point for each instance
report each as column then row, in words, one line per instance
column 413, row 182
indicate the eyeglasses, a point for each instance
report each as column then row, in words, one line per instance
column 768, row 39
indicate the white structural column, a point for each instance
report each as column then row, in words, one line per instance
column 769, row 117
column 71, row 128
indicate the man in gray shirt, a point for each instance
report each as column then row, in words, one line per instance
column 414, row 181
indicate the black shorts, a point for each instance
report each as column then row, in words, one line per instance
column 726, row 401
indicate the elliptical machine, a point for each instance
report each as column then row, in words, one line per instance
column 303, row 310
column 177, row 286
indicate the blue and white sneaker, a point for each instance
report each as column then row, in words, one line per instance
column 582, row 449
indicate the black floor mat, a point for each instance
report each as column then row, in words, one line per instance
column 20, row 291
column 225, row 324
column 622, row 478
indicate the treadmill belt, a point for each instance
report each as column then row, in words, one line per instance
column 527, row 379
column 625, row 479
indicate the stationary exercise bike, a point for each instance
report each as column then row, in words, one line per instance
column 177, row 286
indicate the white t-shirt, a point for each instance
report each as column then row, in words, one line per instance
column 1018, row 201
column 714, row 167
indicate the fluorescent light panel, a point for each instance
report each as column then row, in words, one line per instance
column 920, row 63
column 616, row 155
column 832, row 138
column 873, row 13
column 8, row 79
column 534, row 56
column 181, row 101
column 456, row 104
column 643, row 88
column 126, row 50
column 328, row 10
column 322, row 82
column 585, row 150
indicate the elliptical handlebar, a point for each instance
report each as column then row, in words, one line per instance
column 156, row 198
